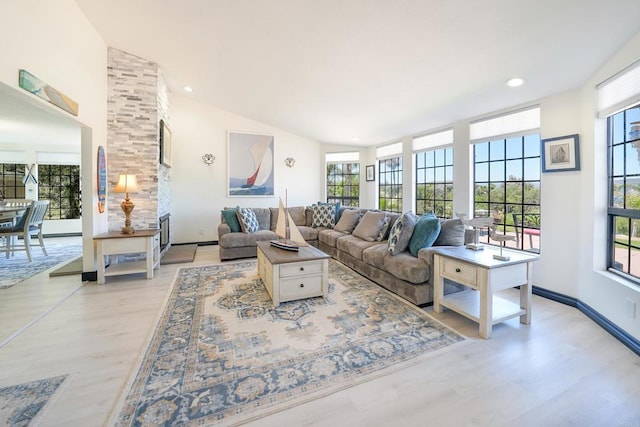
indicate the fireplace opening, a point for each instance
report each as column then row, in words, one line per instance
column 164, row 231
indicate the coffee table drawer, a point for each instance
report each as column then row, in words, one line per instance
column 300, row 287
column 459, row 271
column 298, row 269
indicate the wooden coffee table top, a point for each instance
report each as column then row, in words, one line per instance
column 283, row 256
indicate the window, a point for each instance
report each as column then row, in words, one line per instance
column 390, row 184
column 60, row 184
column 343, row 183
column 434, row 173
column 624, row 191
column 507, row 176
column 434, row 182
column 11, row 186
column 390, row 177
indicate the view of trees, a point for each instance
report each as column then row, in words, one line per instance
column 390, row 185
column 343, row 183
column 60, row 184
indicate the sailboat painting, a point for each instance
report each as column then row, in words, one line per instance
column 250, row 164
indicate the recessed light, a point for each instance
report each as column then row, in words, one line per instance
column 188, row 89
column 355, row 139
column 515, row 82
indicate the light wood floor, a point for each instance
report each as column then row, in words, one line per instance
column 561, row 370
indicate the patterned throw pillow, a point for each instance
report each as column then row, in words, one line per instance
column 385, row 227
column 401, row 233
column 323, row 216
column 248, row 220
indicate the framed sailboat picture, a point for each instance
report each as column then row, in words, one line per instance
column 250, row 164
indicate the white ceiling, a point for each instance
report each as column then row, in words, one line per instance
column 331, row 70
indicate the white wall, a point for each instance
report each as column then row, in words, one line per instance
column 54, row 41
column 603, row 291
column 573, row 229
column 199, row 192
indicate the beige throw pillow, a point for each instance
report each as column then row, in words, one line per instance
column 369, row 226
column 348, row 221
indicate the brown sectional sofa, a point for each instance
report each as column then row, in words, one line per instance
column 406, row 275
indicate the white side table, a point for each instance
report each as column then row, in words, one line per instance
column 116, row 243
column 483, row 275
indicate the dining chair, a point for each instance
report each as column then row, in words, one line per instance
column 29, row 224
column 521, row 230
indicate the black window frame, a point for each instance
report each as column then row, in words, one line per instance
column 390, row 190
column 615, row 212
column 509, row 215
column 442, row 207
column 345, row 175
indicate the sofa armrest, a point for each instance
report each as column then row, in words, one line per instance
column 223, row 229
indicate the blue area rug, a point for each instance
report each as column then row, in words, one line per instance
column 17, row 268
column 21, row 404
column 221, row 354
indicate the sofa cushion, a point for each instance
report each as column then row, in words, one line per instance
column 239, row 240
column 323, row 216
column 401, row 232
column 354, row 246
column 308, row 233
column 248, row 220
column 348, row 221
column 451, row 233
column 329, row 237
column 425, row 233
column 231, row 219
column 404, row 266
column 369, row 226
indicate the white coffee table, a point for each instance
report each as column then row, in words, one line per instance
column 483, row 275
column 289, row 275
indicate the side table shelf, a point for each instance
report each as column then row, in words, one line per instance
column 116, row 243
column 483, row 275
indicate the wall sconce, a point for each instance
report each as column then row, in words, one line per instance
column 289, row 162
column 208, row 159
column 127, row 184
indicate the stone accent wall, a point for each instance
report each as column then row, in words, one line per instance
column 136, row 103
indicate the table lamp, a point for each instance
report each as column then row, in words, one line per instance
column 127, row 184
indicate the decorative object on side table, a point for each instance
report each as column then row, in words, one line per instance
column 502, row 238
column 127, row 184
column 561, row 154
column 477, row 224
column 208, row 159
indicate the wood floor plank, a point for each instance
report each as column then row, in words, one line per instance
column 562, row 369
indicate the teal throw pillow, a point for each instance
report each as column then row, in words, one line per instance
column 231, row 218
column 425, row 233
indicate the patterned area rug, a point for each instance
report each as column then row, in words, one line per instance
column 221, row 354
column 21, row 404
column 17, row 268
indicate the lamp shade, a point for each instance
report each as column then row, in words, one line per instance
column 127, row 184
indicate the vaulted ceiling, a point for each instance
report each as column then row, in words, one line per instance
column 377, row 70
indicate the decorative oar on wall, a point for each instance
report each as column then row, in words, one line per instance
column 29, row 175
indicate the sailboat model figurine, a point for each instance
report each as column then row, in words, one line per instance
column 290, row 237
